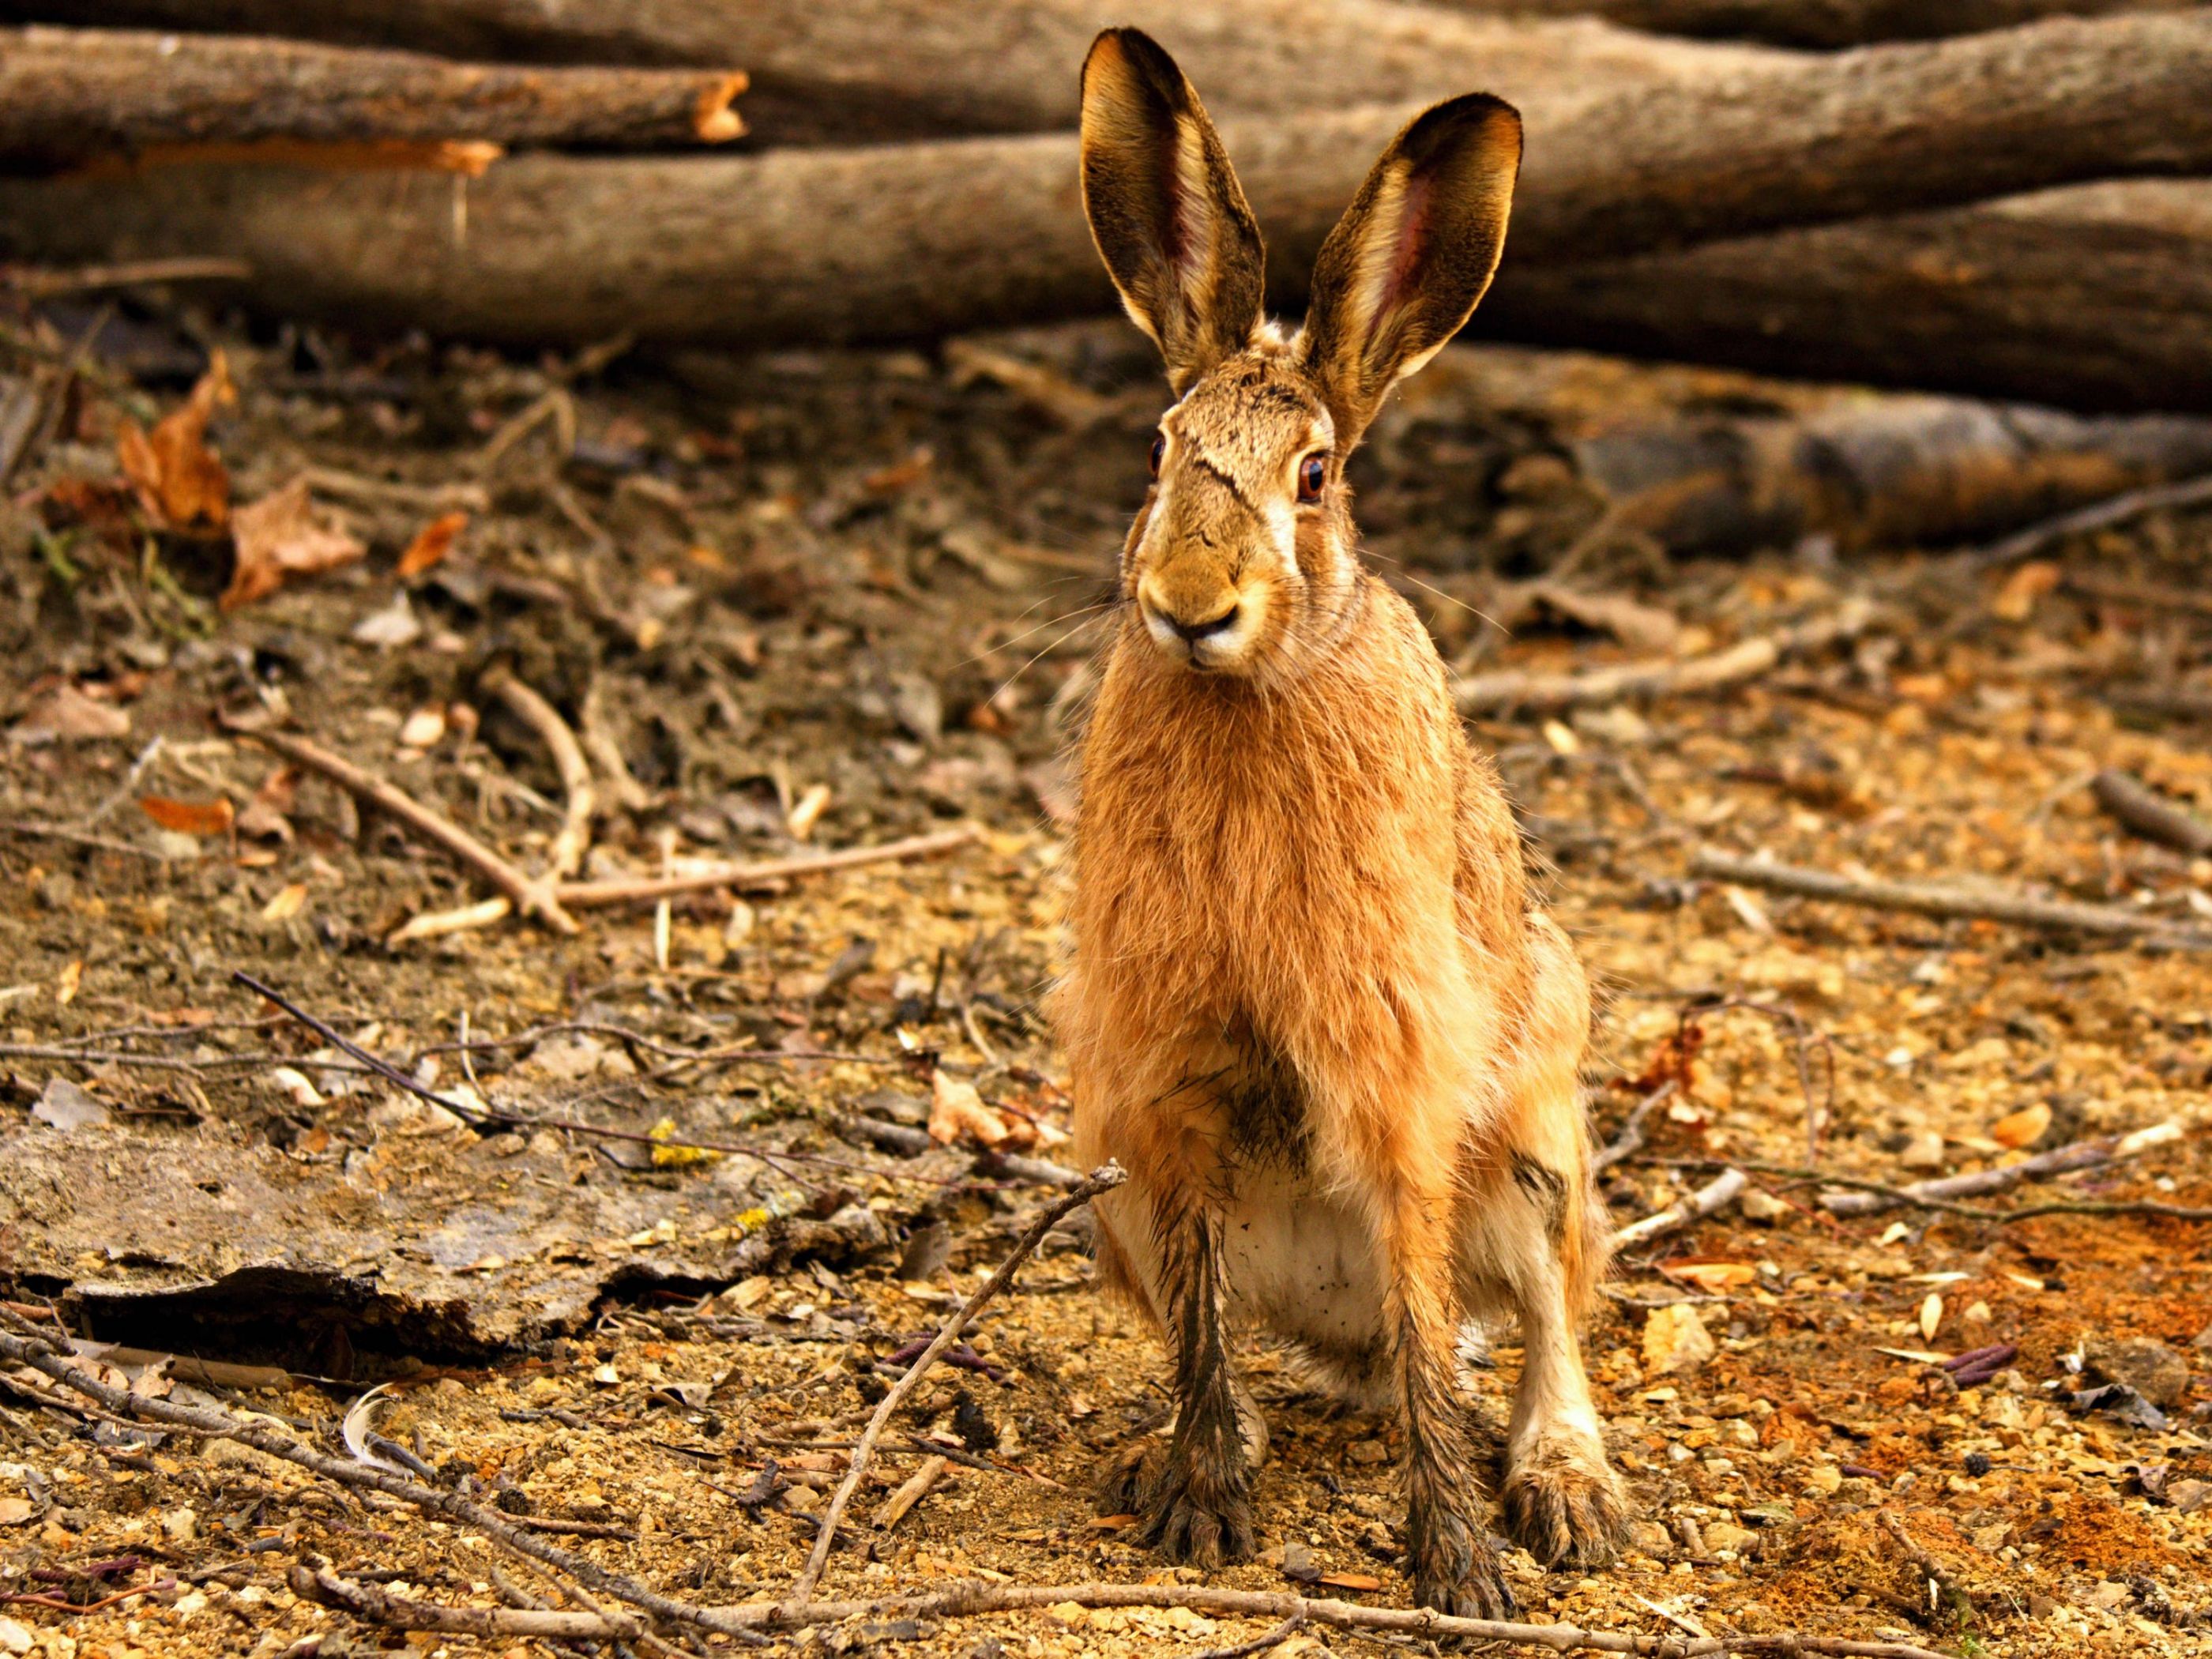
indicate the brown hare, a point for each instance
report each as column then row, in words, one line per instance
column 1311, row 1006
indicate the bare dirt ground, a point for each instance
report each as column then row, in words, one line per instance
column 880, row 576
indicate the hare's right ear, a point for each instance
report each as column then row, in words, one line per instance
column 1165, row 208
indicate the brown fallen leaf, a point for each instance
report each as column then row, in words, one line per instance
column 433, row 542
column 181, row 482
column 190, row 818
column 268, row 816
column 1708, row 1275
column 2016, row 600
column 278, row 538
column 2023, row 1128
column 1349, row 1581
column 288, row 903
column 957, row 1113
column 69, row 983
column 68, row 713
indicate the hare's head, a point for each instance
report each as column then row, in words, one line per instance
column 1244, row 557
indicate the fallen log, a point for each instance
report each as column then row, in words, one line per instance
column 904, row 240
column 875, row 69
column 2096, row 296
column 1823, row 25
column 72, row 95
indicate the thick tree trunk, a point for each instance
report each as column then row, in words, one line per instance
column 1820, row 24
column 2099, row 296
column 863, row 71
column 69, row 95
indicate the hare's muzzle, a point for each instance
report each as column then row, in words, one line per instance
column 1206, row 629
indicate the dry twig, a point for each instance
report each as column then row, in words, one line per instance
column 1105, row 1178
column 1716, row 1195
column 530, row 896
column 1664, row 677
column 2149, row 814
column 648, row 888
column 566, row 856
column 2059, row 1160
column 1949, row 901
column 2113, row 510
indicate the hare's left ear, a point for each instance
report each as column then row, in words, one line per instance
column 1404, row 267
column 1165, row 208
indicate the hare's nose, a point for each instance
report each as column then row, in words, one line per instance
column 1204, row 630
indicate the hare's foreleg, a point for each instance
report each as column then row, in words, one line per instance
column 1200, row 1507
column 1447, row 1507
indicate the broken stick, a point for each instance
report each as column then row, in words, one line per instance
column 566, row 855
column 1716, row 1195
column 2149, row 814
column 1103, row 1179
column 529, row 895
column 1950, row 903
column 645, row 889
column 2059, row 1160
column 1745, row 660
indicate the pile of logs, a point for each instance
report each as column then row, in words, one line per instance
column 2020, row 211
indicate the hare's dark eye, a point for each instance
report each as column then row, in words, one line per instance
column 1159, row 449
column 1313, row 474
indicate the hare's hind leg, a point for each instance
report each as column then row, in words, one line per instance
column 1535, row 1245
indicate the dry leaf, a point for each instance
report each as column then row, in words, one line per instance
column 190, row 818
column 277, row 537
column 432, row 542
column 65, row 712
column 424, row 729
column 2023, row 1128
column 807, row 811
column 1350, row 1581
column 288, row 902
column 956, row 1112
column 13, row 1511
column 71, row 981
column 1931, row 1315
column 268, row 816
column 1709, row 1275
column 2016, row 600
column 180, row 481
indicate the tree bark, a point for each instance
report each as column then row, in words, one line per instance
column 70, row 95
column 1822, row 25
column 849, row 71
column 2099, row 296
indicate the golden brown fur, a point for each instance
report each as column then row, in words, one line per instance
column 1312, row 1008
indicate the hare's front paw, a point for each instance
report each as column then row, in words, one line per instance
column 1566, row 1509
column 1198, row 1515
column 1455, row 1569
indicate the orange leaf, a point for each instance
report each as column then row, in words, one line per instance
column 179, row 480
column 278, row 538
column 956, row 1112
column 1350, row 1581
column 288, row 903
column 1709, row 1275
column 190, row 818
column 432, row 542
column 2023, row 1128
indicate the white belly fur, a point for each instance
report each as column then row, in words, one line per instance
column 1302, row 1261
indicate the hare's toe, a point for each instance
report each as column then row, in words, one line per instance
column 1455, row 1571
column 1566, row 1510
column 1196, row 1516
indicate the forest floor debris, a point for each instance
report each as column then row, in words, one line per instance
column 636, row 1225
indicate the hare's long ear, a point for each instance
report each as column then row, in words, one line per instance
column 1404, row 267
column 1169, row 217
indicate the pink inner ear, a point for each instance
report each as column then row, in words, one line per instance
column 1408, row 248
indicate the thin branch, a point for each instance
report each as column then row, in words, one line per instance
column 1716, row 1195
column 530, row 896
column 1947, row 901
column 1941, row 1582
column 1103, row 1179
column 2149, row 814
column 566, row 855
column 1630, row 1140
column 316, row 1582
column 1746, row 659
column 646, row 889
column 2114, row 510
column 2059, row 1160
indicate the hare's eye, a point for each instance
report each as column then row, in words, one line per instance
column 1159, row 450
column 1313, row 474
